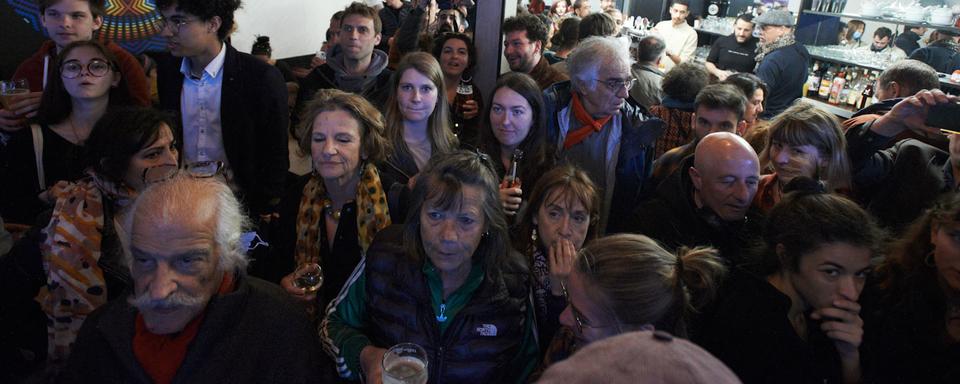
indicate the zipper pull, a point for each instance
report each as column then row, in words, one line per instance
column 442, row 317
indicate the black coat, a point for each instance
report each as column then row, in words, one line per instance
column 254, row 334
column 943, row 55
column 671, row 218
column 895, row 183
column 254, row 118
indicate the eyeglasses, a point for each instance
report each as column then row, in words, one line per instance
column 578, row 317
column 96, row 68
column 615, row 84
column 164, row 172
column 176, row 22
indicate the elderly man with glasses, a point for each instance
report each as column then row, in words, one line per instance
column 233, row 106
column 596, row 126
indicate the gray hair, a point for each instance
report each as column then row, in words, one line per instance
column 185, row 196
column 585, row 61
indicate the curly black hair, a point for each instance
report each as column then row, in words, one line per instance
column 206, row 10
column 536, row 30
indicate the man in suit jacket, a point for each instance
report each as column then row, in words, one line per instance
column 233, row 106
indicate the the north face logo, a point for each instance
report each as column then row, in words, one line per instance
column 487, row 330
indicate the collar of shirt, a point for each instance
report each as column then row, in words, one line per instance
column 211, row 70
column 459, row 298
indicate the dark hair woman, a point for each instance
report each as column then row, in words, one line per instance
column 74, row 263
column 516, row 129
column 458, row 56
column 797, row 320
column 446, row 280
column 912, row 306
column 35, row 159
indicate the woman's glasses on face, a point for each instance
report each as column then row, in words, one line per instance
column 96, row 67
column 163, row 172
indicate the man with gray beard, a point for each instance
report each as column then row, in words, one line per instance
column 194, row 315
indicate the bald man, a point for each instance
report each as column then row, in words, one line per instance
column 706, row 201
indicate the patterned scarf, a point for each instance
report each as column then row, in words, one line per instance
column 71, row 250
column 589, row 124
column 372, row 214
column 783, row 41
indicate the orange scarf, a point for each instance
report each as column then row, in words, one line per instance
column 590, row 125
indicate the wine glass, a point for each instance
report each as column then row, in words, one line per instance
column 405, row 363
column 309, row 277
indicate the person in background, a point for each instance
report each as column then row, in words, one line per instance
column 417, row 123
column 67, row 21
column 262, row 50
column 624, row 358
column 616, row 15
column 908, row 40
column 782, row 62
column 734, row 53
column 233, row 106
column 359, row 67
column 680, row 37
column 705, row 201
column 628, row 282
column 755, row 91
column 193, row 314
column 559, row 10
column 794, row 318
column 882, row 44
column 680, row 88
column 88, row 83
column 911, row 312
column 427, row 21
column 581, row 8
column 591, row 115
column 595, row 24
column 392, row 15
column 71, row 262
column 853, row 35
column 524, row 41
column 458, row 57
column 803, row 141
column 551, row 230
column 564, row 41
column 446, row 280
column 897, row 180
column 717, row 108
column 648, row 91
column 536, row 7
column 942, row 54
column 517, row 128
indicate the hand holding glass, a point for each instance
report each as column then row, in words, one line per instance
column 309, row 277
column 11, row 91
column 405, row 363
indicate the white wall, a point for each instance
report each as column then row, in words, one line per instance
column 295, row 27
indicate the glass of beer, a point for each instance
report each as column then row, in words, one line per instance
column 405, row 363
column 309, row 277
column 10, row 91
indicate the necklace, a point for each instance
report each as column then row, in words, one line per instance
column 328, row 209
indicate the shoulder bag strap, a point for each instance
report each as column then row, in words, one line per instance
column 38, row 155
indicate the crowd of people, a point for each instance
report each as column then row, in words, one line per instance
column 604, row 215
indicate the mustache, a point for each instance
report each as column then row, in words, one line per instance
column 143, row 302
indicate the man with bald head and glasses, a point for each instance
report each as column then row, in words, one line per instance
column 597, row 126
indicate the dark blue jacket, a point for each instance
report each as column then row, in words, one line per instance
column 943, row 55
column 785, row 72
column 635, row 160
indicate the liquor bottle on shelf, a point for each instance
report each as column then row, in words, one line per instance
column 813, row 80
column 836, row 87
column 847, row 88
column 825, row 82
column 854, row 91
column 866, row 98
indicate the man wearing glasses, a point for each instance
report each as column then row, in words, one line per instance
column 596, row 126
column 67, row 21
column 680, row 37
column 232, row 105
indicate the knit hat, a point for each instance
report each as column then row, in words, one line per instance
column 653, row 357
column 775, row 17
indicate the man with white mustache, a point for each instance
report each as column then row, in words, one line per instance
column 194, row 315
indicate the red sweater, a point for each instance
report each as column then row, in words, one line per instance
column 32, row 70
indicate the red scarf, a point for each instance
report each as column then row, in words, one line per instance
column 589, row 124
column 161, row 355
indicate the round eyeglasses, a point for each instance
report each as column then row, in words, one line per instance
column 164, row 172
column 96, row 67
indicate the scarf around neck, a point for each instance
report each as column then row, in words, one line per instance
column 372, row 214
column 783, row 41
column 590, row 125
